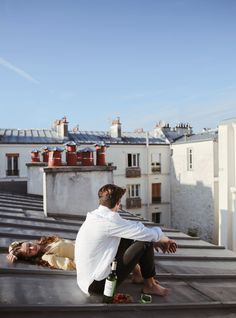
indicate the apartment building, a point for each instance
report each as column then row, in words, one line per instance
column 194, row 185
column 142, row 161
column 172, row 177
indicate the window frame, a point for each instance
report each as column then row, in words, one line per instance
column 156, row 162
column 155, row 199
column 154, row 214
column 12, row 165
column 190, row 159
column 133, row 190
column 133, row 160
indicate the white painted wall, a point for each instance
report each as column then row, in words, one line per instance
column 73, row 191
column 35, row 178
column 24, row 151
column 118, row 155
column 227, row 183
column 24, row 156
column 194, row 193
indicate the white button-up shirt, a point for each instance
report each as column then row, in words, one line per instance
column 98, row 240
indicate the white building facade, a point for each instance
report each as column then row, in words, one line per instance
column 142, row 161
column 227, row 183
column 186, row 182
column 16, row 146
column 194, row 185
column 144, row 170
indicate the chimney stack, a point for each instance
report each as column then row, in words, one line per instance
column 183, row 129
column 158, row 130
column 61, row 127
column 115, row 129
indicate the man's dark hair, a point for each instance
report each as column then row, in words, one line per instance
column 110, row 194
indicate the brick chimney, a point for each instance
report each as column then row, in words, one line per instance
column 61, row 127
column 115, row 129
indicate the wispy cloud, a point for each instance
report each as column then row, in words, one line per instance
column 17, row 70
column 218, row 111
column 141, row 95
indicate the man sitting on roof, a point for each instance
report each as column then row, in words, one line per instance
column 105, row 235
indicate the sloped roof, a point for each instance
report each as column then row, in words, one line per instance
column 172, row 135
column 49, row 136
column 228, row 121
column 201, row 276
column 29, row 136
column 204, row 136
column 90, row 137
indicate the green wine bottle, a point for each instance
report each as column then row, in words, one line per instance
column 110, row 284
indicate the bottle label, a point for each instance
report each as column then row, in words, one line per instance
column 109, row 288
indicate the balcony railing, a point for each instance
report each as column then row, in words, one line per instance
column 132, row 203
column 12, row 172
column 156, row 199
column 133, row 172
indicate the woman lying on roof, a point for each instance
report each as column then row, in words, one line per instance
column 49, row 251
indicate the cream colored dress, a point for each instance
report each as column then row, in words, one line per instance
column 60, row 254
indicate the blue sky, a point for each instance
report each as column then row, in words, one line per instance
column 94, row 60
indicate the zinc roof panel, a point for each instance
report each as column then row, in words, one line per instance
column 199, row 288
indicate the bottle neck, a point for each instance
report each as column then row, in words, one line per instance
column 113, row 266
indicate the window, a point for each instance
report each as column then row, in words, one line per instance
column 156, row 162
column 189, row 159
column 12, row 164
column 133, row 190
column 156, row 158
column 133, row 159
column 156, row 192
column 156, row 217
column 133, row 199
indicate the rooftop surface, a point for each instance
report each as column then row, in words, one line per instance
column 126, row 138
column 29, row 136
column 204, row 136
column 200, row 276
column 49, row 136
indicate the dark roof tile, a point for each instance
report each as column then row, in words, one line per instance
column 201, row 276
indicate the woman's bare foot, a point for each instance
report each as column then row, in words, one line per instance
column 152, row 287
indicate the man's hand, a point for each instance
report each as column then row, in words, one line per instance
column 166, row 245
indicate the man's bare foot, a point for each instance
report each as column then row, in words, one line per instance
column 136, row 280
column 137, row 277
column 155, row 289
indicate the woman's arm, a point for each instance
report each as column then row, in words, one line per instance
column 11, row 258
column 59, row 262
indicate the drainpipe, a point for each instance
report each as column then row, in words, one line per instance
column 148, row 186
